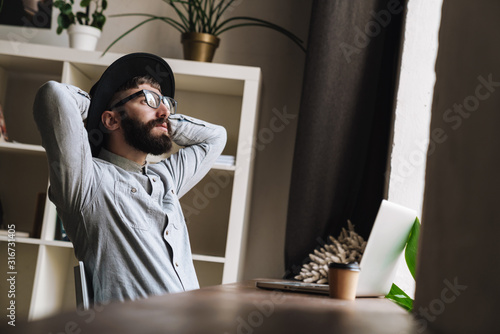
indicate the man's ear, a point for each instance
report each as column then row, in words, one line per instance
column 111, row 120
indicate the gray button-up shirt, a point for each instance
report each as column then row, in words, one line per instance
column 124, row 219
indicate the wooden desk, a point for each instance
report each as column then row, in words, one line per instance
column 239, row 308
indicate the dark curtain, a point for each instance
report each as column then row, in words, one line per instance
column 344, row 125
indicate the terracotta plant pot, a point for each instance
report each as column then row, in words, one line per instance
column 83, row 37
column 199, row 46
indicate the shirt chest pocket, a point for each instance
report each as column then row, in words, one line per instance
column 172, row 209
column 133, row 205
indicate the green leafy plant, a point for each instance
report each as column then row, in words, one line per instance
column 396, row 294
column 205, row 16
column 66, row 16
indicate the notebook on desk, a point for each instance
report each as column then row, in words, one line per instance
column 378, row 265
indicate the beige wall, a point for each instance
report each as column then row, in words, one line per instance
column 282, row 66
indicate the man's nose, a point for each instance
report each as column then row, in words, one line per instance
column 162, row 111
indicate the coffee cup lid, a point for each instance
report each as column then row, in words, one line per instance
column 348, row 266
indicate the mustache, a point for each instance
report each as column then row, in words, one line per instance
column 159, row 121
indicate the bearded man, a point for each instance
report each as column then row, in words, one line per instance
column 122, row 214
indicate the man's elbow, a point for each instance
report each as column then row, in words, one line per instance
column 48, row 93
column 49, row 90
column 221, row 137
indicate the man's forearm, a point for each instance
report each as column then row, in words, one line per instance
column 203, row 143
column 187, row 131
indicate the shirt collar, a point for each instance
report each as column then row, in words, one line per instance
column 126, row 164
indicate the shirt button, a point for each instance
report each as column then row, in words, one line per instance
column 176, row 264
column 173, row 191
column 133, row 190
column 154, row 179
column 166, row 232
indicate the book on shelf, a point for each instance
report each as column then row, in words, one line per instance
column 60, row 233
column 39, row 210
column 227, row 160
column 3, row 128
column 1, row 214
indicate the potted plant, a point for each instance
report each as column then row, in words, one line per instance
column 83, row 28
column 396, row 294
column 200, row 22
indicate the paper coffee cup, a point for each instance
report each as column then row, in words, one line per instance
column 343, row 280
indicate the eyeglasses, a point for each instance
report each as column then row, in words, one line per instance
column 152, row 99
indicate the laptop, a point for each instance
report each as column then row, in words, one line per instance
column 383, row 251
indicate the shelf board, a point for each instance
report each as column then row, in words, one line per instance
column 57, row 243
column 22, row 148
column 67, row 244
column 36, row 241
column 208, row 258
column 196, row 76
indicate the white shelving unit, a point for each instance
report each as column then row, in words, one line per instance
column 216, row 209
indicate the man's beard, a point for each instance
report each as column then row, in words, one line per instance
column 138, row 135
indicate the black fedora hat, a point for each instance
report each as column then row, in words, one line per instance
column 118, row 73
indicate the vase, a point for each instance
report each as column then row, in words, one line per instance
column 199, row 46
column 83, row 37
